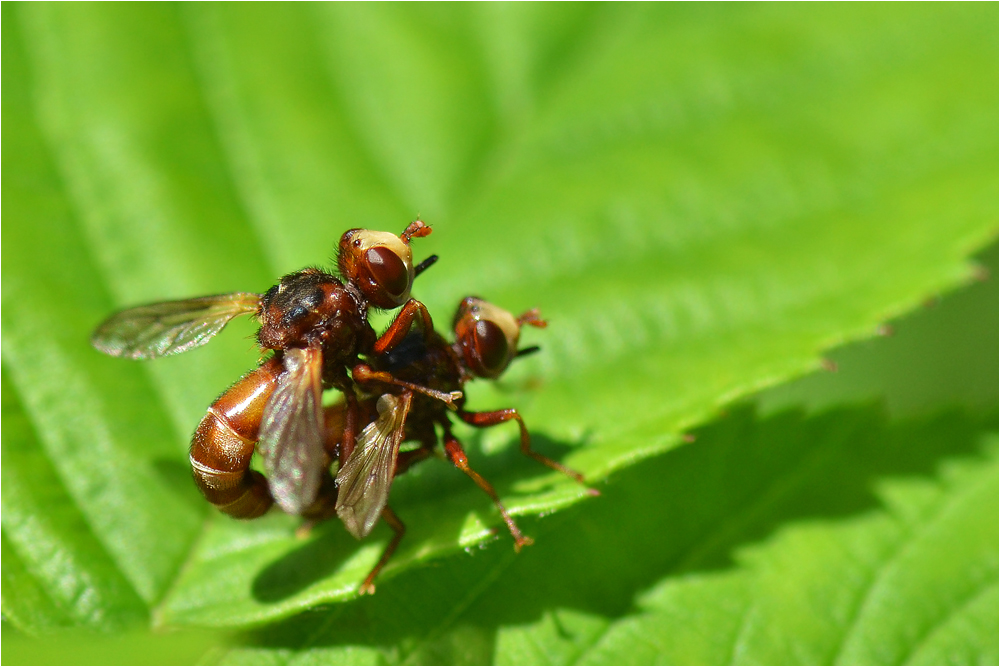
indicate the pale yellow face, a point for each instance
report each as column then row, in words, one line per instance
column 484, row 310
column 372, row 239
column 380, row 263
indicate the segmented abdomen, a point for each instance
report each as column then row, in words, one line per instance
column 223, row 445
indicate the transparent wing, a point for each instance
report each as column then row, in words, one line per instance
column 291, row 434
column 170, row 327
column 365, row 478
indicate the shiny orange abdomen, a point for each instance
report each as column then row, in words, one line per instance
column 223, row 445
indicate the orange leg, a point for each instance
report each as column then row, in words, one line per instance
column 364, row 374
column 453, row 448
column 400, row 327
column 484, row 419
column 368, row 586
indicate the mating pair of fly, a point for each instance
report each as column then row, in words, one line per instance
column 396, row 387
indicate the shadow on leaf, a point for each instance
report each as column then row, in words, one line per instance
column 435, row 519
column 687, row 511
column 320, row 556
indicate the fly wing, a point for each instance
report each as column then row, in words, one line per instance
column 291, row 434
column 170, row 327
column 365, row 478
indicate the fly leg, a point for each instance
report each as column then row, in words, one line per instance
column 364, row 374
column 368, row 585
column 337, row 429
column 453, row 448
column 484, row 419
column 411, row 311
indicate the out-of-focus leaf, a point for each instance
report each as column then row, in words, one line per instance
column 130, row 648
column 700, row 200
column 944, row 354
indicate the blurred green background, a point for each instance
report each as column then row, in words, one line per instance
column 709, row 203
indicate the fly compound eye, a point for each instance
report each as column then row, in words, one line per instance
column 487, row 336
column 389, row 272
column 492, row 349
column 379, row 264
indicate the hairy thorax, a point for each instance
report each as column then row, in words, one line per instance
column 312, row 308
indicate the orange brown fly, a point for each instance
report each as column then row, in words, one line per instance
column 486, row 339
column 317, row 326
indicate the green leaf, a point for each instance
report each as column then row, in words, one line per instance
column 700, row 200
column 889, row 584
column 944, row 355
column 85, row 648
column 836, row 538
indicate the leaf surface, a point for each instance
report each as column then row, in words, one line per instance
column 835, row 538
column 700, row 200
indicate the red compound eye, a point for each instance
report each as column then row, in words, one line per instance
column 492, row 349
column 388, row 271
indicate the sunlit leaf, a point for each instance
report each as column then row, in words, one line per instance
column 700, row 199
column 838, row 538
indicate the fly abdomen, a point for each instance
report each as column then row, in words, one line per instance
column 224, row 442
